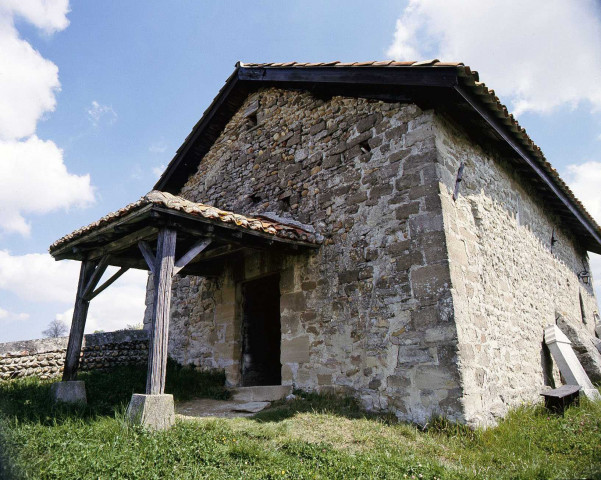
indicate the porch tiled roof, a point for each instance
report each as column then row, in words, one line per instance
column 173, row 202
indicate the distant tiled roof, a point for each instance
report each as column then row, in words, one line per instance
column 173, row 202
column 469, row 78
column 384, row 63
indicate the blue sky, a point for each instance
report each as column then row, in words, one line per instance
column 135, row 77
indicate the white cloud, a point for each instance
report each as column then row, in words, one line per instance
column 47, row 15
column 38, row 278
column 98, row 113
column 539, row 54
column 34, row 179
column 585, row 181
column 28, row 84
column 6, row 315
column 120, row 305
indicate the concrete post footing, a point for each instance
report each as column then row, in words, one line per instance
column 154, row 412
column 73, row 391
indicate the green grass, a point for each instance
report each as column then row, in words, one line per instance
column 313, row 436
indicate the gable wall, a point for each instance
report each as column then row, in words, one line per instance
column 507, row 284
column 370, row 312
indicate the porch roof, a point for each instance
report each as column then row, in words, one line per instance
column 117, row 234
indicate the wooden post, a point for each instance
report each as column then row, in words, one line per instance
column 159, row 335
column 78, row 323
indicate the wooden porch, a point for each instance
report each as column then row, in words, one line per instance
column 167, row 236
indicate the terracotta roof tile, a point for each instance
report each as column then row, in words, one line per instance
column 155, row 197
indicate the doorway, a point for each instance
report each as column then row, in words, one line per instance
column 261, row 332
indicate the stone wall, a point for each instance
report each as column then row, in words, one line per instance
column 45, row 358
column 371, row 312
column 507, row 281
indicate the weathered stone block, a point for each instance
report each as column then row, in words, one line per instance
column 430, row 281
column 425, row 223
column 406, row 261
column 295, row 350
column 348, row 276
column 403, row 212
column 293, row 301
column 366, row 123
column 414, row 354
column 154, row 412
column 433, row 378
column 69, row 392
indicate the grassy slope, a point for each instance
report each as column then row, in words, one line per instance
column 311, row 437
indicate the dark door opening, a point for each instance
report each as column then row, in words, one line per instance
column 261, row 332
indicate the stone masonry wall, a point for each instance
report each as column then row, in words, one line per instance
column 45, row 358
column 369, row 313
column 507, row 282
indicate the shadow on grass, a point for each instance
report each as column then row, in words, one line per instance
column 329, row 404
column 28, row 399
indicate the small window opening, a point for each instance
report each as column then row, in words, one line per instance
column 553, row 239
column 255, row 198
column 284, row 204
column 250, row 114
column 582, row 310
column 364, row 146
column 251, row 120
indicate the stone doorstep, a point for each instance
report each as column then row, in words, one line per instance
column 264, row 393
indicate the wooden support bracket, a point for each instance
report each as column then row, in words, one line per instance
column 190, row 255
column 106, row 284
column 148, row 255
column 96, row 276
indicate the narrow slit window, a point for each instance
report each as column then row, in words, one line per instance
column 365, row 148
column 582, row 310
column 251, row 120
column 250, row 114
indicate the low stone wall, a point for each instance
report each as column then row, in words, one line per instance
column 45, row 358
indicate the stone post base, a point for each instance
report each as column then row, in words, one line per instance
column 69, row 392
column 155, row 412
